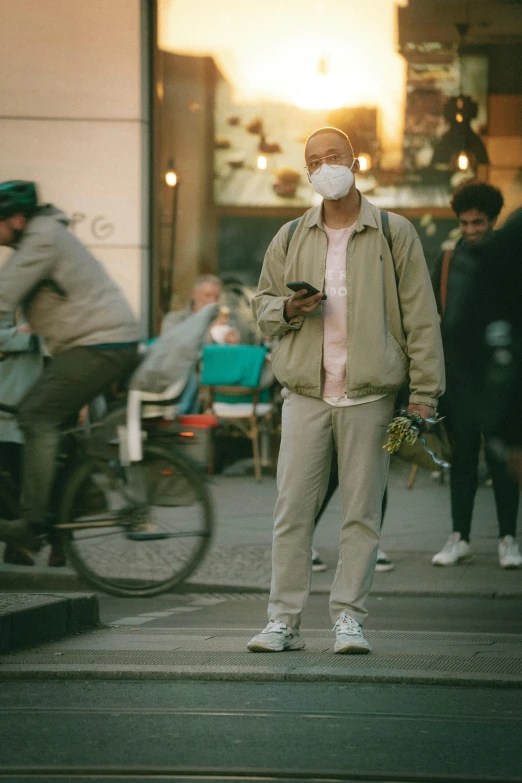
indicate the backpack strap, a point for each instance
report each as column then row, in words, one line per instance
column 444, row 274
column 291, row 232
column 385, row 220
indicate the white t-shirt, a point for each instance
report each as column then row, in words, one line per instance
column 335, row 328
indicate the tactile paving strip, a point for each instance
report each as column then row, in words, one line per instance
column 413, row 636
column 189, row 658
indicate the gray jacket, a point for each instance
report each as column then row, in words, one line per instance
column 21, row 363
column 175, row 354
column 67, row 296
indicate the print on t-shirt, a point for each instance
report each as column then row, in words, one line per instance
column 335, row 282
column 335, row 313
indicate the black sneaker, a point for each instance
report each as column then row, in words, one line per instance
column 383, row 562
column 317, row 563
column 15, row 556
column 18, row 533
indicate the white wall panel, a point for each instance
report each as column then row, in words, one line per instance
column 91, row 169
column 71, row 120
column 70, row 58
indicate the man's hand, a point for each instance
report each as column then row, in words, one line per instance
column 424, row 411
column 300, row 304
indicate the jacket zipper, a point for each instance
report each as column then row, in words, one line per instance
column 352, row 235
column 321, row 359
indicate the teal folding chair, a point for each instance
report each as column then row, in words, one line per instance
column 238, row 381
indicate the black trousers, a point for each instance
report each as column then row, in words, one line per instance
column 10, row 479
column 466, row 429
column 70, row 381
column 333, row 483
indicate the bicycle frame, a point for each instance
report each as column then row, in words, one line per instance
column 65, row 462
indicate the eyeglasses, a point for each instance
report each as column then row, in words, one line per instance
column 330, row 160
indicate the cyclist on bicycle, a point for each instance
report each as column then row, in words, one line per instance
column 87, row 326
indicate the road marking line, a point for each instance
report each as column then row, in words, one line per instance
column 132, row 621
column 197, row 604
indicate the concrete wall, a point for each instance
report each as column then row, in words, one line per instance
column 74, row 118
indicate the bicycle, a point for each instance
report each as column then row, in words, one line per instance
column 132, row 530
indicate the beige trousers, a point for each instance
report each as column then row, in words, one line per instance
column 311, row 428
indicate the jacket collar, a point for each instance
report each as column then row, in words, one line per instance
column 367, row 217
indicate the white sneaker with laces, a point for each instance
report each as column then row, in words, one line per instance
column 454, row 551
column 276, row 637
column 509, row 553
column 349, row 637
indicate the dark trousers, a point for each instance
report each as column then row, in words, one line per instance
column 333, row 483
column 466, row 429
column 68, row 382
column 10, row 479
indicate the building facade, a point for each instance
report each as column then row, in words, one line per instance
column 100, row 100
column 75, row 118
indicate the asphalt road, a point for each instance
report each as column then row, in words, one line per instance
column 302, row 730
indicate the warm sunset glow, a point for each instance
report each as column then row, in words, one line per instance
column 320, row 92
column 270, row 52
column 463, row 161
column 365, row 162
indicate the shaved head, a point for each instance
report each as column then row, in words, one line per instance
column 327, row 129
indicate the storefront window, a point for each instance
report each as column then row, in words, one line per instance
column 283, row 69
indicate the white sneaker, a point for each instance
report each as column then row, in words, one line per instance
column 349, row 637
column 383, row 562
column 508, row 553
column 276, row 637
column 453, row 552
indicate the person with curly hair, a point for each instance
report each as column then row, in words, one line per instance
column 477, row 206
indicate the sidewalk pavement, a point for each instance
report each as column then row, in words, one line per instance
column 416, row 526
column 124, row 652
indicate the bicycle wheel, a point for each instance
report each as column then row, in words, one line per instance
column 138, row 530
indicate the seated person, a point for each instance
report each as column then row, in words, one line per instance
column 207, row 290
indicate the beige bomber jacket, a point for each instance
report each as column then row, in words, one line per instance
column 393, row 327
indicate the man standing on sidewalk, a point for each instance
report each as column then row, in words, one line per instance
column 477, row 206
column 340, row 362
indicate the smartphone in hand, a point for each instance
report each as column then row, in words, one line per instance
column 298, row 285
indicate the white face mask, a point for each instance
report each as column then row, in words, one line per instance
column 332, row 182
